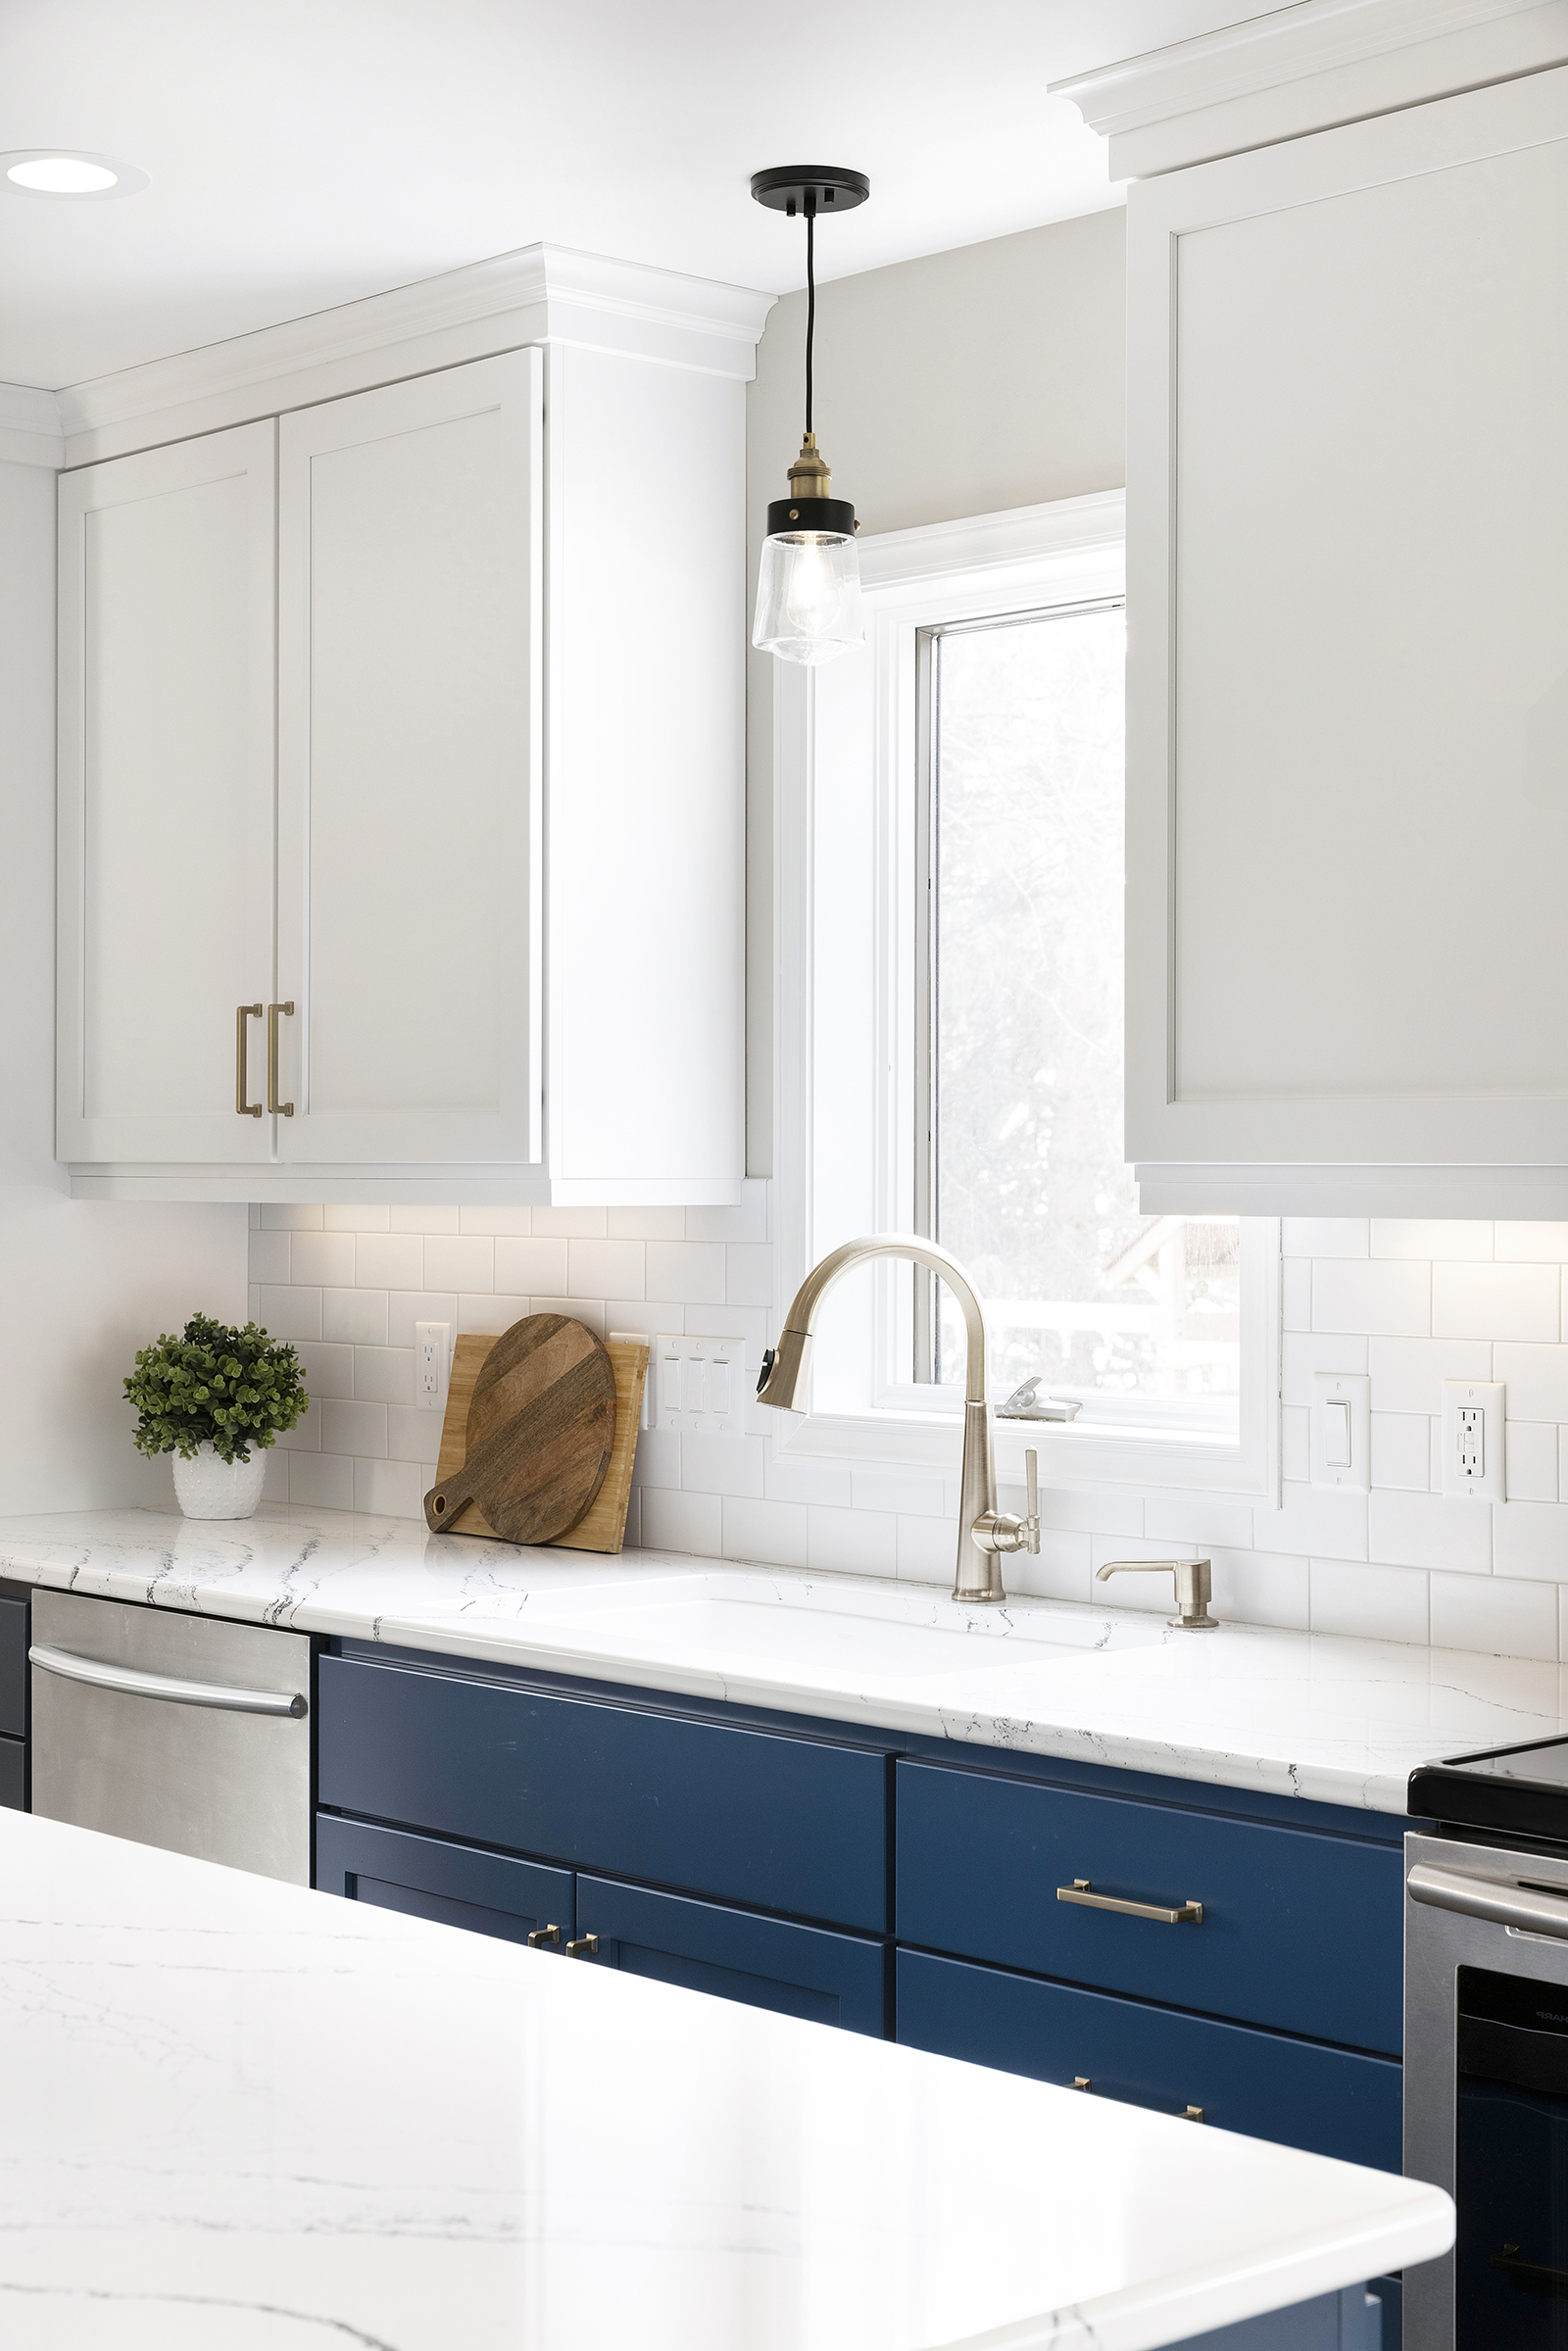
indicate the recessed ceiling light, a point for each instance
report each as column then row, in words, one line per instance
column 68, row 172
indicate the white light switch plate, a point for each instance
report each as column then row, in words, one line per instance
column 1473, row 1457
column 1335, row 1393
column 699, row 1384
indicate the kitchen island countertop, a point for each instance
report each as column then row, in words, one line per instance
column 241, row 2114
column 1294, row 1714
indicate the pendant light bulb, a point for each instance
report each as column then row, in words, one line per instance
column 808, row 588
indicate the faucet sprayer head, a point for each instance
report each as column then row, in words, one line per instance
column 784, row 1370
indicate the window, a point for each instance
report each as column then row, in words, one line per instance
column 949, row 854
column 1018, row 1100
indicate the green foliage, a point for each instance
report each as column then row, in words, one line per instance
column 229, row 1388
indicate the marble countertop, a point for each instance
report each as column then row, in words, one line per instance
column 1298, row 1714
column 236, row 2112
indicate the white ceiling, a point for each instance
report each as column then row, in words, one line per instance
column 306, row 152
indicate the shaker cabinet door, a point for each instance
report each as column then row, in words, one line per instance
column 1348, row 691
column 409, row 771
column 166, row 757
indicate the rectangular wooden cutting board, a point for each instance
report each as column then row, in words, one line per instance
column 603, row 1526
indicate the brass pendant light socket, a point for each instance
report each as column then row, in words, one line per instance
column 809, row 476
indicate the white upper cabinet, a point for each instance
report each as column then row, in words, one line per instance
column 409, row 777
column 165, row 916
column 435, row 631
column 1347, row 706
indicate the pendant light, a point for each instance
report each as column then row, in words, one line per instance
column 809, row 590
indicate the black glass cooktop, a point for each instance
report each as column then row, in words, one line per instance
column 1521, row 1791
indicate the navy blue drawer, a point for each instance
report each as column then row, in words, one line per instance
column 14, row 1612
column 489, row 1893
column 768, row 1962
column 785, row 1824
column 1301, row 1930
column 12, row 1775
column 1267, row 2084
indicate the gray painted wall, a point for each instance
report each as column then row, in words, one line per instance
column 958, row 384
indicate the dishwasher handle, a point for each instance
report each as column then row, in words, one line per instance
column 1533, row 1909
column 71, row 1668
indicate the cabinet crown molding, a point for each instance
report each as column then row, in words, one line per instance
column 538, row 294
column 1305, row 68
column 30, row 426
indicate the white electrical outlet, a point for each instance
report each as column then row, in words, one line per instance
column 1473, row 1458
column 1340, row 1441
column 699, row 1384
column 432, row 1351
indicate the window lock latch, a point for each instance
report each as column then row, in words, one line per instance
column 1025, row 1405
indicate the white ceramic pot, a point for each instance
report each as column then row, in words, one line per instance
column 207, row 1487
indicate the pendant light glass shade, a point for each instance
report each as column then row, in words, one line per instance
column 809, row 596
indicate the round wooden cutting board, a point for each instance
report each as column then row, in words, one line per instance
column 541, row 1426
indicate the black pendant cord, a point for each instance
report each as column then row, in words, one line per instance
column 810, row 297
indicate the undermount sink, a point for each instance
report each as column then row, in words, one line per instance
column 823, row 1630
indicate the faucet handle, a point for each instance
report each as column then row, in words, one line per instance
column 999, row 1531
column 1031, row 1473
column 1195, row 1586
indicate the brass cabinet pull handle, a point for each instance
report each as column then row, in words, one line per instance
column 584, row 1942
column 1194, row 2114
column 1190, row 1914
column 243, row 1108
column 283, row 1109
column 543, row 1934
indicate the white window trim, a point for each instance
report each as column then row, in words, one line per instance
column 844, row 1047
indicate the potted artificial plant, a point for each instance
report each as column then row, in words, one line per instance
column 216, row 1398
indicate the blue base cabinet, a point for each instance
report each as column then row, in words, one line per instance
column 1351, row 2321
column 429, row 1878
column 15, row 1619
column 708, row 1946
column 1266, row 2084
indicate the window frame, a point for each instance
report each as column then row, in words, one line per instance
column 848, row 740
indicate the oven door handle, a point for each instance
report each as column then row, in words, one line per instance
column 1532, row 1909
column 71, row 1668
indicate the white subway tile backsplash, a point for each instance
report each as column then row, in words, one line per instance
column 853, row 1542
column 1496, row 1301
column 1430, row 1530
column 326, row 1258
column 352, row 1428
column 1536, row 1378
column 321, row 1481
column 771, row 1532
column 268, row 1255
column 524, row 1267
column 1324, row 1236
column 692, row 1272
column 1531, row 1461
column 384, row 1375
column 1381, row 1297
column 1412, row 1303
column 606, row 1268
column 1408, row 1374
column 1372, row 1603
column 390, row 1260
column 1429, row 1239
column 1402, row 1450
column 354, row 1317
column 459, row 1261
column 1496, row 1615
column 390, row 1489
column 305, row 1436
column 275, row 1479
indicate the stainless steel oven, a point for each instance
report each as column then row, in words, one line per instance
column 177, row 1731
column 1486, row 2047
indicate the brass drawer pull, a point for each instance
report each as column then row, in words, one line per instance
column 283, row 1109
column 543, row 1934
column 1083, row 2081
column 1194, row 2114
column 1190, row 1914
column 584, row 1942
column 243, row 1108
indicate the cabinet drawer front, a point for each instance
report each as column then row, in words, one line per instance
column 734, row 1955
column 784, row 1823
column 12, row 1775
column 1300, row 1931
column 489, row 1893
column 13, row 1666
column 1266, row 2084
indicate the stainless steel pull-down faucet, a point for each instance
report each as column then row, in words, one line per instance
column 984, row 1530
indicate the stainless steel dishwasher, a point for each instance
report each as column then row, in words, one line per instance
column 175, row 1730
